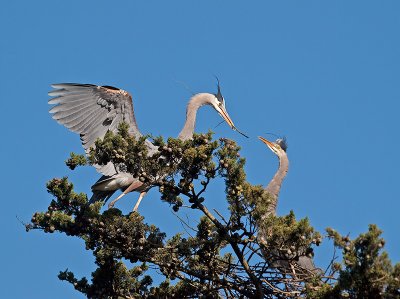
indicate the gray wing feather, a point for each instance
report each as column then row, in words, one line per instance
column 85, row 107
column 79, row 112
column 91, row 111
column 69, row 106
column 108, row 169
column 82, row 125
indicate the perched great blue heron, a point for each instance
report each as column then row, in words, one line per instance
column 279, row 148
column 304, row 262
column 217, row 101
column 92, row 110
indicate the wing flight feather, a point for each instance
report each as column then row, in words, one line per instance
column 92, row 110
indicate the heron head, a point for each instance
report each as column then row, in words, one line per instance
column 279, row 147
column 218, row 102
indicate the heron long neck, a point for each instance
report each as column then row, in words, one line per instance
column 274, row 185
column 194, row 104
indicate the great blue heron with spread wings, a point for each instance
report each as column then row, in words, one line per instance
column 92, row 110
column 304, row 262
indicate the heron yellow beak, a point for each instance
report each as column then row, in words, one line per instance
column 224, row 114
column 268, row 143
column 226, row 117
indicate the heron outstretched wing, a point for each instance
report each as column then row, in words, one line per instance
column 91, row 111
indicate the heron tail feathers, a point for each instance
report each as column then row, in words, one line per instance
column 101, row 196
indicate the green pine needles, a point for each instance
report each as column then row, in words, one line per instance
column 244, row 255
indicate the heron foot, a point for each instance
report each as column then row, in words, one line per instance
column 111, row 204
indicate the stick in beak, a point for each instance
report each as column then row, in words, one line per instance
column 241, row 133
column 227, row 118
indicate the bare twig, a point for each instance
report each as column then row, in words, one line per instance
column 220, row 215
column 235, row 247
column 184, row 224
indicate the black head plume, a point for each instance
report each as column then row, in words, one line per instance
column 282, row 143
column 218, row 95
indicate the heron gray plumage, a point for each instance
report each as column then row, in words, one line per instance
column 273, row 188
column 92, row 110
column 198, row 100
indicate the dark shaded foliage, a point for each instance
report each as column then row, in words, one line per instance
column 224, row 257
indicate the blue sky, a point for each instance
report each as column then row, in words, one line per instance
column 323, row 73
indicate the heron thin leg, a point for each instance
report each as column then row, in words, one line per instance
column 111, row 204
column 131, row 187
column 142, row 194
